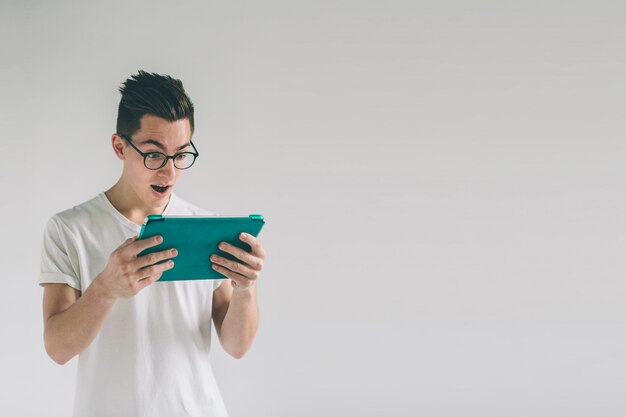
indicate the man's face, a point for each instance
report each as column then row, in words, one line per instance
column 153, row 187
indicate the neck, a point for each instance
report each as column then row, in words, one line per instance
column 128, row 203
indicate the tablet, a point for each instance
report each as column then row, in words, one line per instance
column 197, row 238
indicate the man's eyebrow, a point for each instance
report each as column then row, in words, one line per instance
column 159, row 145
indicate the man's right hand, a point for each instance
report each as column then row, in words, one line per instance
column 73, row 319
column 126, row 273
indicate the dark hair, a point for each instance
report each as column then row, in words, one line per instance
column 149, row 93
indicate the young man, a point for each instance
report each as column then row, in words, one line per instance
column 143, row 346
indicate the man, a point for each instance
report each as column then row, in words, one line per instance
column 143, row 346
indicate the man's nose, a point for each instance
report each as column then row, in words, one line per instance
column 168, row 169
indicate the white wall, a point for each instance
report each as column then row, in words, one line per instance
column 443, row 184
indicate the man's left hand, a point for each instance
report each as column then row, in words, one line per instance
column 243, row 274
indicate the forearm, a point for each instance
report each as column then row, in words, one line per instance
column 69, row 332
column 240, row 323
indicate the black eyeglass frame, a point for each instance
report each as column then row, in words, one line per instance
column 167, row 157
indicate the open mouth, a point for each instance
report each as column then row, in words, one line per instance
column 160, row 188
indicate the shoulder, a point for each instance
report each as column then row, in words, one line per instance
column 79, row 215
column 179, row 206
column 65, row 228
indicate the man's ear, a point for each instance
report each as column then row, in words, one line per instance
column 118, row 146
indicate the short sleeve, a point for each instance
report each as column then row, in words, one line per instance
column 58, row 259
column 217, row 283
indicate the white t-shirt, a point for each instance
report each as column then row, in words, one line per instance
column 151, row 357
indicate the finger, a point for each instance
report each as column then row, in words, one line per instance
column 153, row 258
column 143, row 283
column 150, row 271
column 236, row 267
column 128, row 241
column 143, row 244
column 254, row 243
column 246, row 257
column 239, row 279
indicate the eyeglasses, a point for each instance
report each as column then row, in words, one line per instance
column 157, row 160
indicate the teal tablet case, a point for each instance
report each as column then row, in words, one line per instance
column 196, row 238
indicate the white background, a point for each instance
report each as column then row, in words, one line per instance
column 443, row 184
